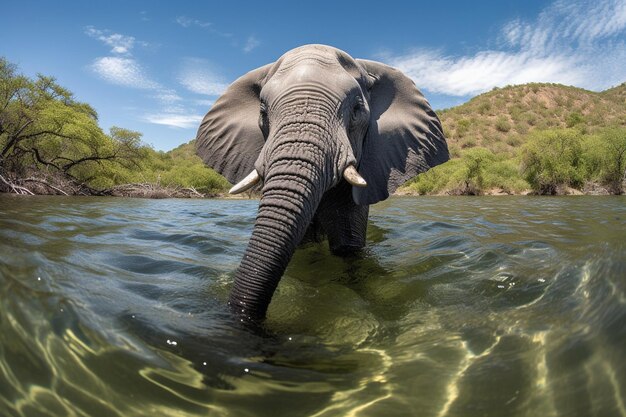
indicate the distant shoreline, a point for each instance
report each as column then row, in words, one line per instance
column 590, row 189
column 155, row 191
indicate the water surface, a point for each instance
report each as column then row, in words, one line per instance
column 501, row 306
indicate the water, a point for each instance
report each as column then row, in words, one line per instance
column 503, row 306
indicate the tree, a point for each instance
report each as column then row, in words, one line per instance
column 475, row 161
column 42, row 126
column 615, row 166
column 553, row 158
column 605, row 158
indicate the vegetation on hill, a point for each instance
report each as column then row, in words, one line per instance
column 547, row 138
column 51, row 143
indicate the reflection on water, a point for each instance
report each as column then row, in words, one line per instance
column 458, row 307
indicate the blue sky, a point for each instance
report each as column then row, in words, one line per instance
column 156, row 67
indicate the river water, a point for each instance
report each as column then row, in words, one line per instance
column 460, row 306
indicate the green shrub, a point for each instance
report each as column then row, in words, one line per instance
column 604, row 156
column 516, row 112
column 484, row 108
column 514, row 140
column 502, row 124
column 553, row 158
column 468, row 143
column 462, row 127
column 476, row 171
column 454, row 150
column 503, row 173
column 474, row 162
column 521, row 128
column 574, row 118
column 438, row 179
column 531, row 118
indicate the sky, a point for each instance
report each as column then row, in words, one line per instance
column 157, row 67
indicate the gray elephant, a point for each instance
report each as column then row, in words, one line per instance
column 326, row 135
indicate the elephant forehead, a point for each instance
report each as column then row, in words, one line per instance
column 326, row 56
column 309, row 77
column 317, row 60
column 318, row 53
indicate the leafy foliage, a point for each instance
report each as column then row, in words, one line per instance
column 553, row 158
column 548, row 162
column 477, row 170
column 44, row 129
column 605, row 158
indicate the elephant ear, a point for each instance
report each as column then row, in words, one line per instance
column 404, row 138
column 229, row 139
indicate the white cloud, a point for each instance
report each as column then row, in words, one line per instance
column 120, row 44
column 183, row 121
column 575, row 43
column 251, row 43
column 167, row 96
column 186, row 22
column 198, row 77
column 205, row 103
column 123, row 71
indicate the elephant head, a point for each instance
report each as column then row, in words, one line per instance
column 326, row 135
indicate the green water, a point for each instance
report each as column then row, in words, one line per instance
column 503, row 306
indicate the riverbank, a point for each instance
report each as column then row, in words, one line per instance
column 58, row 185
column 38, row 183
column 591, row 188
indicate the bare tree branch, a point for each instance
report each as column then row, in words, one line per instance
column 17, row 189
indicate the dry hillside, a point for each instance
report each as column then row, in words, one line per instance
column 500, row 119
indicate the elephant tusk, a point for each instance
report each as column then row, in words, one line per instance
column 246, row 183
column 353, row 177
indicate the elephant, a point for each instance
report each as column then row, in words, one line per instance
column 323, row 136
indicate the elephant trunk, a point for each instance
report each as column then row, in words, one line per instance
column 293, row 187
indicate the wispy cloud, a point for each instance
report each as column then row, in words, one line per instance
column 204, row 102
column 186, row 22
column 123, row 71
column 120, row 44
column 167, row 96
column 196, row 75
column 251, row 43
column 570, row 42
column 183, row 121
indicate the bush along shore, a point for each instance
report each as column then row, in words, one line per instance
column 530, row 139
column 39, row 184
column 551, row 162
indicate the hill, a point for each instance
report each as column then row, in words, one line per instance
column 501, row 120
column 539, row 138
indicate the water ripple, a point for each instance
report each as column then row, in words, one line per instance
column 457, row 307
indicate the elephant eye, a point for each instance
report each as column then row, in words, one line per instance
column 358, row 112
column 263, row 120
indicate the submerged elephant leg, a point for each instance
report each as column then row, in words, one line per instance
column 315, row 233
column 343, row 221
